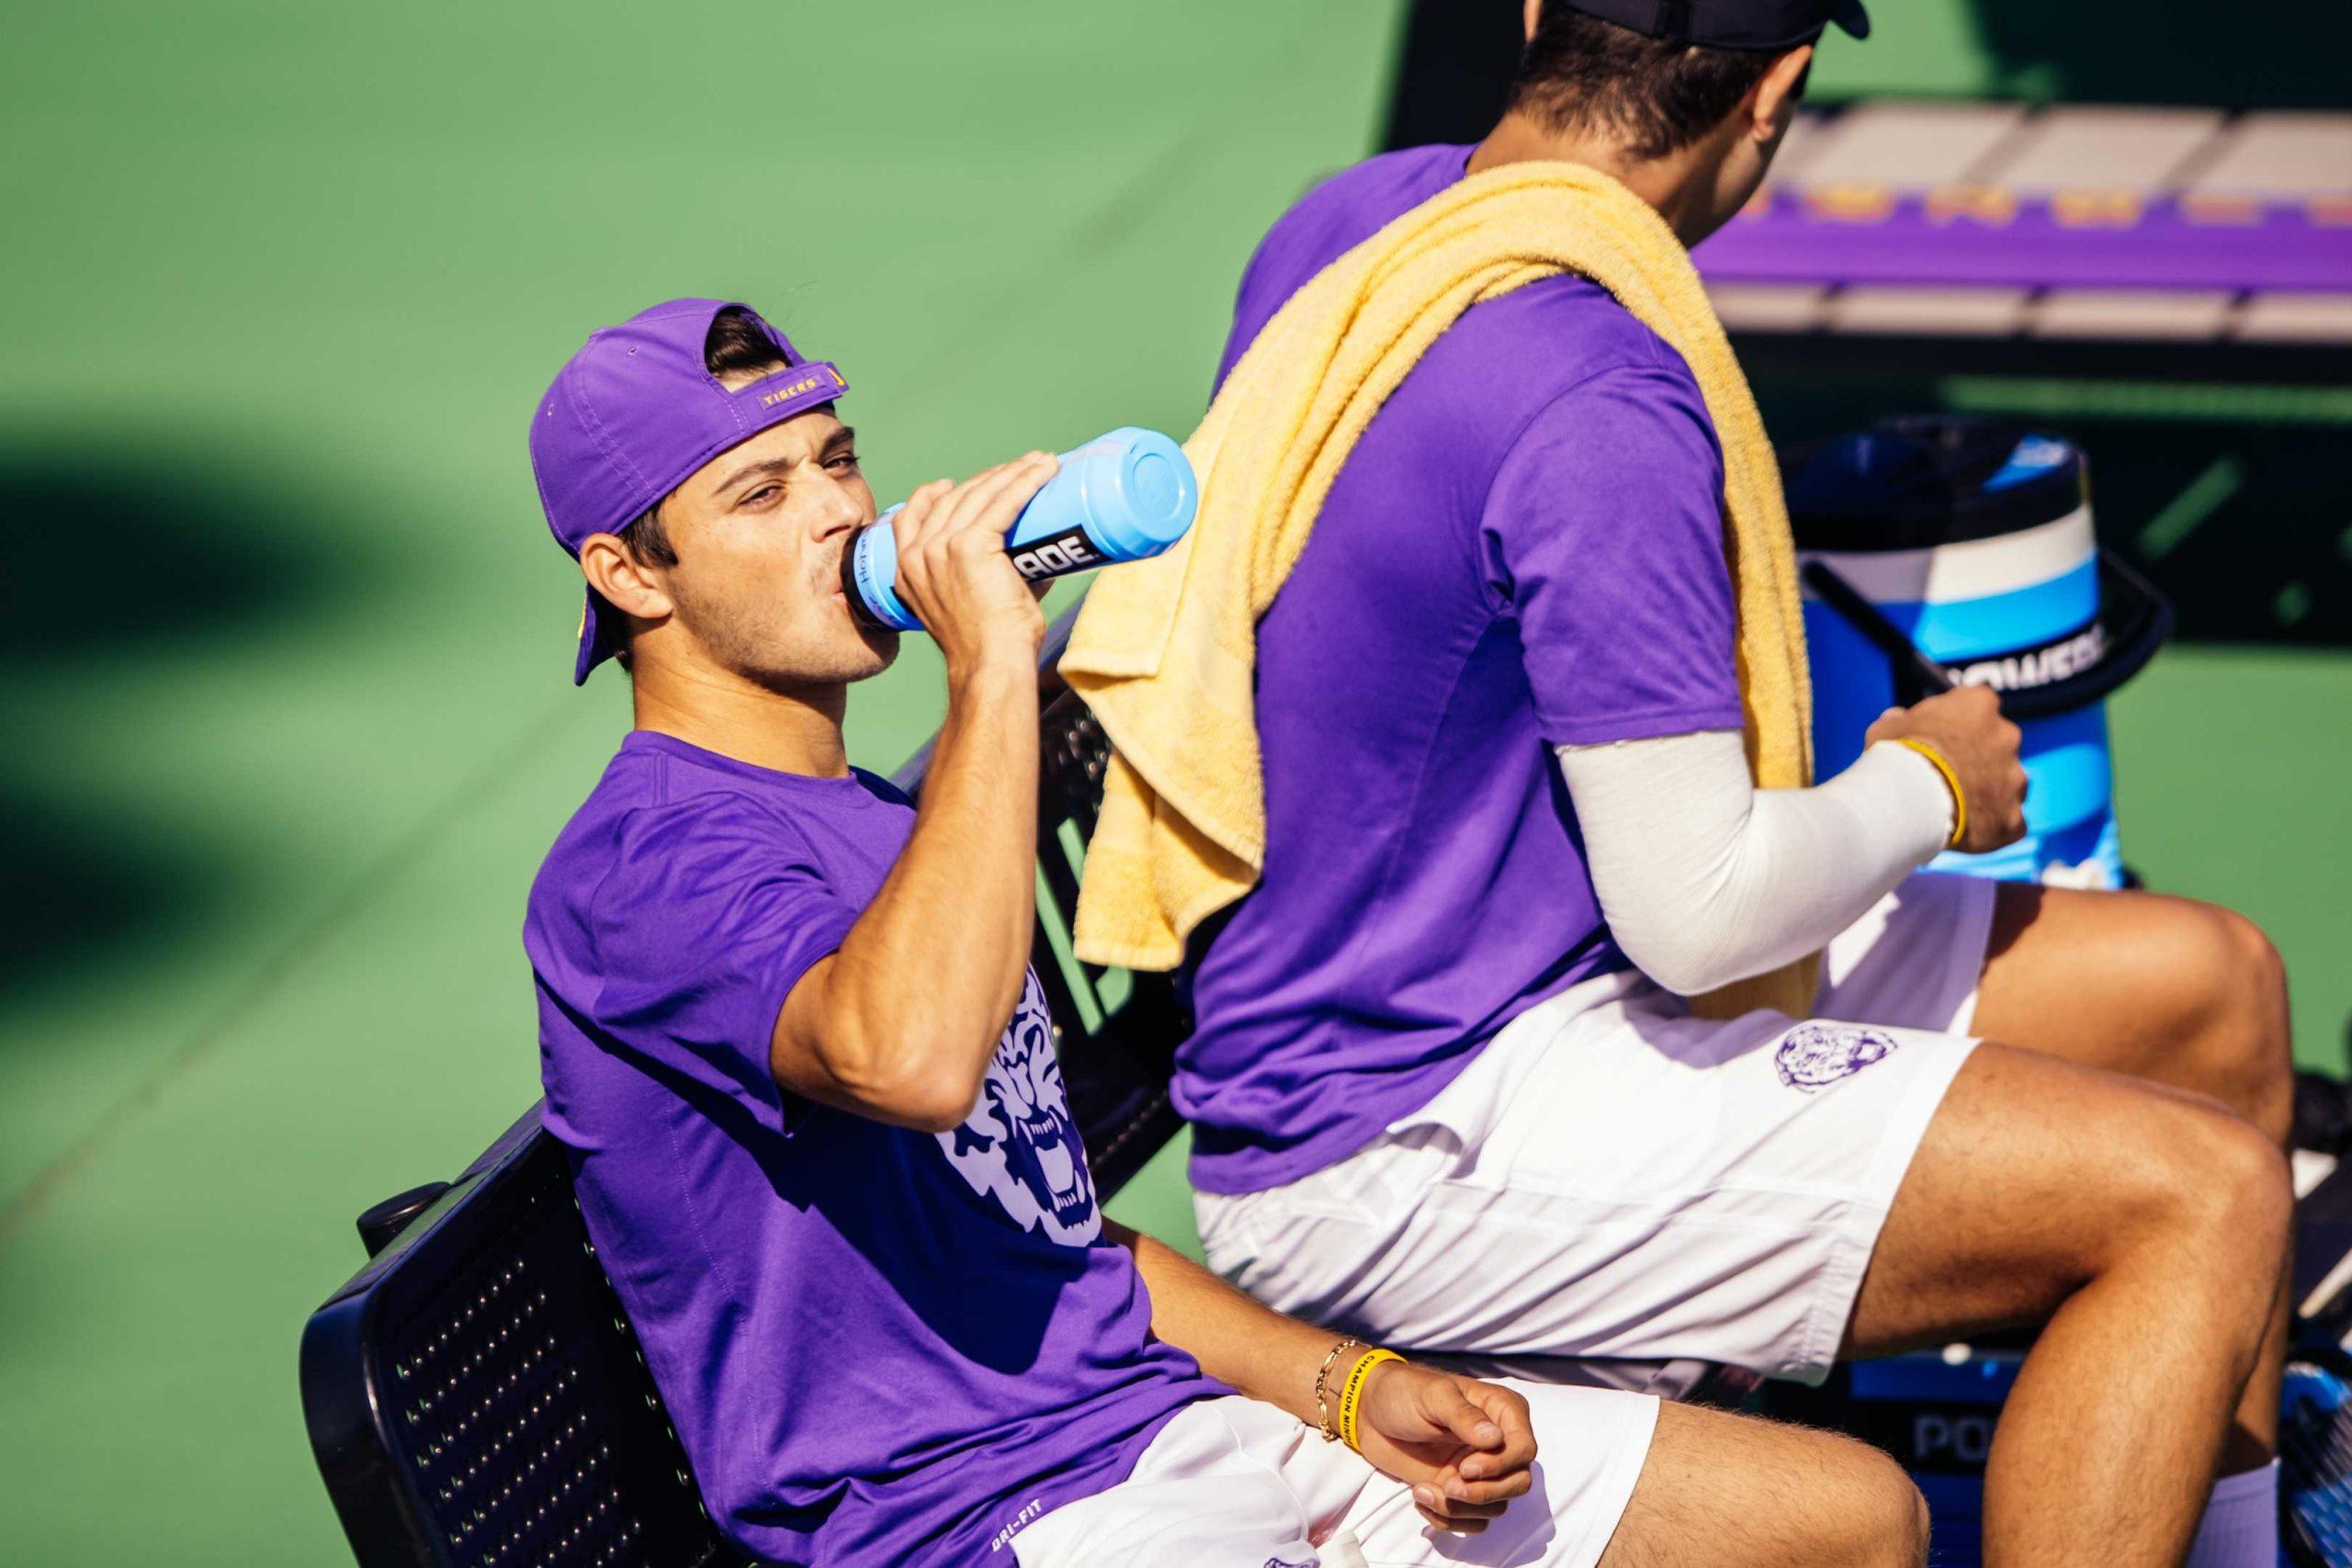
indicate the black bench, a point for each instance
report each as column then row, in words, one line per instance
column 475, row 1395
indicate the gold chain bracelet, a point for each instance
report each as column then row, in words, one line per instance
column 1322, row 1393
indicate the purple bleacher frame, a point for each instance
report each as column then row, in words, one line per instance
column 2278, row 247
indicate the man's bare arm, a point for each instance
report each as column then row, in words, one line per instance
column 1465, row 1446
column 898, row 1024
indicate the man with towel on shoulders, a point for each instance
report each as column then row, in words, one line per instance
column 1467, row 738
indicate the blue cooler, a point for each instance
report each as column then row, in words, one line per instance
column 1939, row 551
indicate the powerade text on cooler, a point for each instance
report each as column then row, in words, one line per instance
column 1125, row 496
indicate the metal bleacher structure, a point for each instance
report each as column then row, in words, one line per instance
column 2169, row 286
column 2173, row 240
column 2073, row 238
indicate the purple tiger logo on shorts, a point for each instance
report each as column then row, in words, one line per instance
column 1814, row 1055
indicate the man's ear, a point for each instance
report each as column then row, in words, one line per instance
column 1776, row 96
column 1531, row 14
column 626, row 583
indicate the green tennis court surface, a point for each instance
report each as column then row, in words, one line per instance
column 288, row 719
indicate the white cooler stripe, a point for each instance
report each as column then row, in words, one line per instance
column 1973, row 569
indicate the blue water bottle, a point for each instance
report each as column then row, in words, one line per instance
column 1121, row 497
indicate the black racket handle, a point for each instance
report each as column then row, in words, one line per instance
column 1925, row 674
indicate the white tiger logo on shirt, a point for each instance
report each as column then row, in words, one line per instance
column 1021, row 1146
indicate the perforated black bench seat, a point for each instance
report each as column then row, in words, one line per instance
column 476, row 1398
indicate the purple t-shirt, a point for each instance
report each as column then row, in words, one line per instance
column 878, row 1346
column 1524, row 550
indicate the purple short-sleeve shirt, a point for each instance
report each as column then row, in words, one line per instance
column 880, row 1347
column 1524, row 550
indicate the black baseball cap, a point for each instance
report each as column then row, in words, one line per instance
column 1731, row 24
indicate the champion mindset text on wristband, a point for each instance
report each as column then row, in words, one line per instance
column 1351, row 1393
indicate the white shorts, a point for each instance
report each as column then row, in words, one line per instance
column 1235, row 1482
column 1616, row 1179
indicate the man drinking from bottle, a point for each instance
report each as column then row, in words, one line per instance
column 808, row 1087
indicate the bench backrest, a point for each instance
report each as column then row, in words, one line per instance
column 476, row 1399
column 475, row 1395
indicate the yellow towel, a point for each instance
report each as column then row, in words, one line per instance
column 1164, row 651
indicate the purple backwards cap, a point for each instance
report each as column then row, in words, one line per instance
column 634, row 412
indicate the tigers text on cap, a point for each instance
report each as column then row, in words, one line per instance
column 636, row 412
column 1731, row 24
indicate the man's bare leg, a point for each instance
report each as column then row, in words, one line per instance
column 2144, row 1229
column 2172, row 990
column 1723, row 1490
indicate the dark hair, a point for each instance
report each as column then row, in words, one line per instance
column 1581, row 71
column 736, row 342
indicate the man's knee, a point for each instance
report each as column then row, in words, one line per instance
column 2208, row 1179
column 1723, row 1490
column 1888, row 1501
column 2256, row 1010
column 1876, row 1516
column 2242, row 1007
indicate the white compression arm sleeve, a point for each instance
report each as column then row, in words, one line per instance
column 1705, row 879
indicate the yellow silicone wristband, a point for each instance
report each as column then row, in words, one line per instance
column 1352, row 1393
column 1952, row 782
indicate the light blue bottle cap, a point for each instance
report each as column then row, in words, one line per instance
column 1131, row 491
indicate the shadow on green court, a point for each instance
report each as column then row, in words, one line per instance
column 86, row 883
column 114, row 560
column 2171, row 51
column 121, row 554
